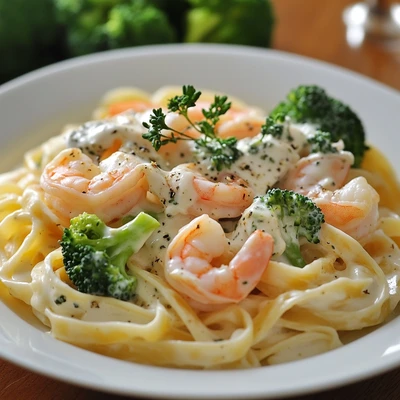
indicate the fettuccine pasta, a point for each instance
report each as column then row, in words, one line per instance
column 259, row 310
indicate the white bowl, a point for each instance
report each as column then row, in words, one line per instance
column 38, row 104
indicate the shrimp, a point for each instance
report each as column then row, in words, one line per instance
column 179, row 122
column 241, row 125
column 195, row 263
column 73, row 183
column 239, row 121
column 226, row 197
column 99, row 139
column 327, row 171
column 353, row 208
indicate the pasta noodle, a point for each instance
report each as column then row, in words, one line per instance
column 350, row 280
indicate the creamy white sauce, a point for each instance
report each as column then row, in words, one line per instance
column 170, row 173
column 152, row 255
column 95, row 137
column 257, row 216
column 264, row 162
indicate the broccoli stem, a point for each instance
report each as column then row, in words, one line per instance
column 130, row 238
column 294, row 255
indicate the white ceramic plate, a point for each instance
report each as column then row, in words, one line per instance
column 38, row 104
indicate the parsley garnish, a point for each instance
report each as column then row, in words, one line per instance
column 222, row 152
column 60, row 299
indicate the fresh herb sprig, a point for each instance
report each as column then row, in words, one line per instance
column 222, row 152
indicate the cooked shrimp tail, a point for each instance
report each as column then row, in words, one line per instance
column 198, row 265
column 73, row 183
column 225, row 197
column 328, row 171
column 353, row 208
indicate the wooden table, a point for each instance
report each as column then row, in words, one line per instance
column 312, row 28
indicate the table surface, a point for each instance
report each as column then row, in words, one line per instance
column 312, row 28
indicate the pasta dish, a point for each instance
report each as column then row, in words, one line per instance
column 191, row 230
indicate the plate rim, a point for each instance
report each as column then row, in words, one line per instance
column 43, row 369
column 206, row 48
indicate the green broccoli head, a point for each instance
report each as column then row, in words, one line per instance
column 97, row 25
column 95, row 255
column 273, row 127
column 84, row 24
column 84, row 21
column 343, row 123
column 304, row 104
column 29, row 36
column 87, row 227
column 311, row 104
column 94, row 272
column 248, row 22
column 138, row 23
column 298, row 217
column 176, row 11
column 69, row 10
column 321, row 142
column 86, row 34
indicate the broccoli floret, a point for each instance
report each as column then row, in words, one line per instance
column 138, row 23
column 86, row 34
column 321, row 142
column 68, row 10
column 176, row 11
column 272, row 127
column 97, row 25
column 83, row 22
column 279, row 128
column 29, row 36
column 95, row 255
column 313, row 105
column 298, row 217
column 247, row 22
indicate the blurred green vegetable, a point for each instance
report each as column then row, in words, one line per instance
column 29, row 36
column 97, row 25
column 176, row 11
column 85, row 33
column 38, row 32
column 247, row 22
column 138, row 23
